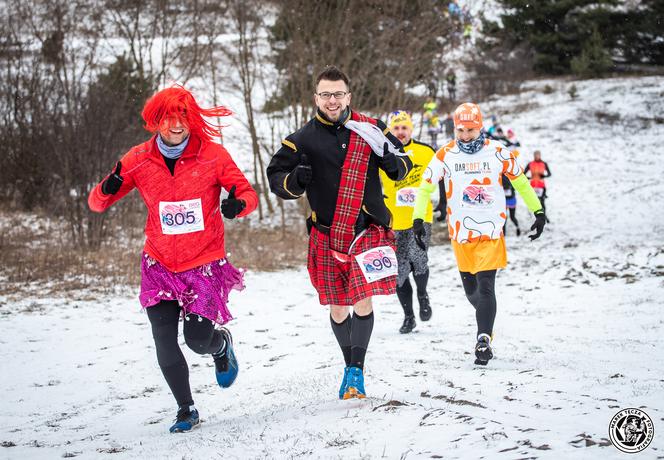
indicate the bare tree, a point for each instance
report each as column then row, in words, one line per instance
column 386, row 48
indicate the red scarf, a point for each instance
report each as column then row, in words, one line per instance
column 351, row 189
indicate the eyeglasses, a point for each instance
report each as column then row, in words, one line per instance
column 337, row 95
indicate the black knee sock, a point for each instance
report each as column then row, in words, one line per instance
column 164, row 319
column 359, row 337
column 421, row 281
column 405, row 295
column 342, row 333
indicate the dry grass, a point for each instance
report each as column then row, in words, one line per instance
column 38, row 258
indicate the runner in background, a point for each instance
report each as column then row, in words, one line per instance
column 510, row 203
column 537, row 170
column 400, row 200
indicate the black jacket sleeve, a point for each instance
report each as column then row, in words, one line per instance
column 280, row 172
column 548, row 171
column 404, row 165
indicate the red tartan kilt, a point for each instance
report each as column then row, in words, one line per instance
column 343, row 283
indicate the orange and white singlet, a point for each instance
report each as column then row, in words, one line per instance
column 475, row 196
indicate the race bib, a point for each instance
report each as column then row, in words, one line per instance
column 477, row 196
column 378, row 263
column 509, row 193
column 179, row 217
column 406, row 197
column 539, row 191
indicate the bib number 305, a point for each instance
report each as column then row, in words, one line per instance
column 179, row 217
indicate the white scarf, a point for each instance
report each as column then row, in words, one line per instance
column 373, row 136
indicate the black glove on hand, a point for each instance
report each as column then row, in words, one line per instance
column 419, row 233
column 538, row 226
column 112, row 184
column 303, row 172
column 389, row 160
column 231, row 206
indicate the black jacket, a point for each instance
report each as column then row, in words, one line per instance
column 326, row 144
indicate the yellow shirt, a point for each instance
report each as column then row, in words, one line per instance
column 400, row 195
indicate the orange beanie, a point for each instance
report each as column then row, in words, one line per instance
column 468, row 115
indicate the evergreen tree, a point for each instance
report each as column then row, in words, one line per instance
column 594, row 60
column 558, row 31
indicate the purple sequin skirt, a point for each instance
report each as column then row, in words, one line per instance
column 201, row 290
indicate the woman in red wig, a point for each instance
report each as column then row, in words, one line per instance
column 179, row 173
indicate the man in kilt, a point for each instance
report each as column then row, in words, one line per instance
column 335, row 159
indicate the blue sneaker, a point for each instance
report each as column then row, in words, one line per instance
column 344, row 383
column 355, row 384
column 225, row 363
column 187, row 419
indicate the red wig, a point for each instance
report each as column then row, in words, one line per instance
column 176, row 103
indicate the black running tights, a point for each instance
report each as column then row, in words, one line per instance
column 481, row 292
column 199, row 335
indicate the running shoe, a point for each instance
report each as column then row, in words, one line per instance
column 187, row 419
column 483, row 352
column 355, row 384
column 225, row 363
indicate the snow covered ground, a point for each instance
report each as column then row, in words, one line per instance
column 578, row 334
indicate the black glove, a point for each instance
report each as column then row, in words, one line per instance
column 112, row 184
column 419, row 233
column 388, row 161
column 538, row 226
column 303, row 172
column 231, row 206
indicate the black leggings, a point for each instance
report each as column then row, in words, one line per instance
column 512, row 212
column 200, row 336
column 480, row 291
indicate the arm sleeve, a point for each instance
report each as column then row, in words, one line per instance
column 280, row 171
column 99, row 202
column 523, row 187
column 548, row 171
column 229, row 175
column 434, row 173
column 527, row 170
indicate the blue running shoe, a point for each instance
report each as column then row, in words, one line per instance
column 355, row 384
column 344, row 383
column 187, row 419
column 225, row 363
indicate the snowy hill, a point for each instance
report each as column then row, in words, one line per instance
column 578, row 332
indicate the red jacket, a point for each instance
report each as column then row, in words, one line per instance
column 200, row 173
